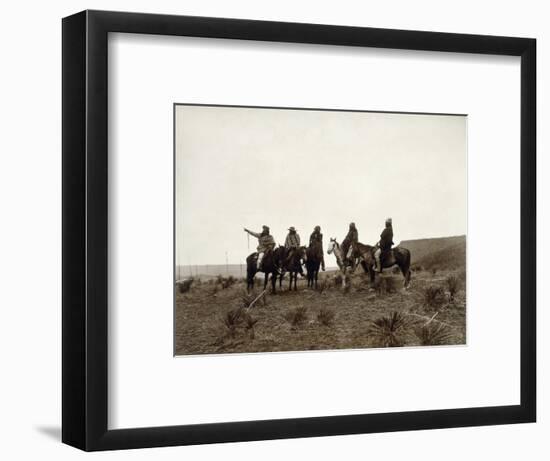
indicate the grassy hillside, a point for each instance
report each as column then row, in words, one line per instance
column 444, row 252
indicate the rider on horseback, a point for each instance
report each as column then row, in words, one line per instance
column 349, row 242
column 384, row 245
column 292, row 243
column 316, row 241
column 266, row 243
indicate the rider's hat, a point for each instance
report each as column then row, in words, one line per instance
column 292, row 229
column 388, row 220
column 317, row 228
column 264, row 227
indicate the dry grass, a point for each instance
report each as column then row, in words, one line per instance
column 208, row 322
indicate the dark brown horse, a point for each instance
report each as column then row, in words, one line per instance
column 271, row 264
column 292, row 263
column 314, row 256
column 396, row 256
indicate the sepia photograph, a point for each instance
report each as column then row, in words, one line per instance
column 302, row 229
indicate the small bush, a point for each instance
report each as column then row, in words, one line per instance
column 453, row 285
column 296, row 316
column 388, row 331
column 433, row 334
column 434, row 270
column 185, row 285
column 326, row 316
column 434, row 296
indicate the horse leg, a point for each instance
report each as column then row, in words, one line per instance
column 273, row 282
column 316, row 277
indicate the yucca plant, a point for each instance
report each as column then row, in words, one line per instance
column 433, row 334
column 388, row 331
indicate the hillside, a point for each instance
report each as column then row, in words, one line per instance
column 444, row 252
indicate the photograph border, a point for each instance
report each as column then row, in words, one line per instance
column 85, row 229
column 174, row 198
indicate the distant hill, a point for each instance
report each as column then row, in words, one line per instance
column 444, row 252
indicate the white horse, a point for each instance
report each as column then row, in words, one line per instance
column 334, row 247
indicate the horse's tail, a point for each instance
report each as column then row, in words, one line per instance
column 251, row 269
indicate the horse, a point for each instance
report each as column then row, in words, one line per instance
column 271, row 264
column 343, row 264
column 293, row 265
column 314, row 255
column 396, row 256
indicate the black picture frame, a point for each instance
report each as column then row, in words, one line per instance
column 85, row 224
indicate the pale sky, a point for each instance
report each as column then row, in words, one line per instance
column 245, row 167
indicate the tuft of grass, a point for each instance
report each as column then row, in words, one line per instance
column 326, row 316
column 434, row 296
column 388, row 331
column 453, row 285
column 433, row 334
column 297, row 316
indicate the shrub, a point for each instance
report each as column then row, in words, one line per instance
column 185, row 285
column 433, row 334
column 453, row 285
column 434, row 296
column 387, row 331
column 296, row 316
column 326, row 316
column 239, row 318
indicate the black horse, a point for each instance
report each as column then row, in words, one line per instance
column 271, row 264
column 314, row 255
column 396, row 256
column 292, row 263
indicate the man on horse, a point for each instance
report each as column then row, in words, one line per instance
column 316, row 241
column 292, row 243
column 348, row 244
column 266, row 243
column 384, row 245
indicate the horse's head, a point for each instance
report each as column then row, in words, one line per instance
column 302, row 252
column 332, row 245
